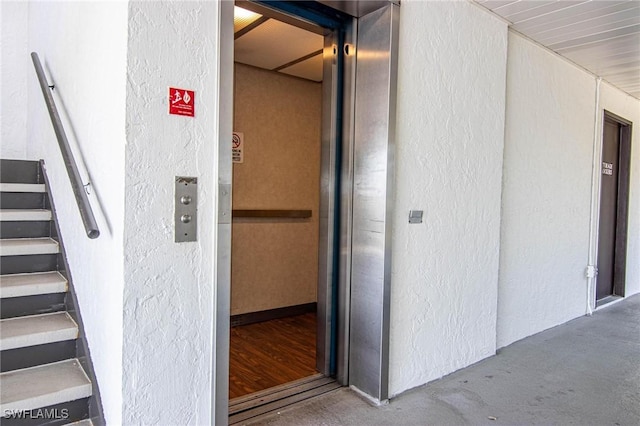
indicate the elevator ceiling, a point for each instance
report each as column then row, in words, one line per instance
column 270, row 44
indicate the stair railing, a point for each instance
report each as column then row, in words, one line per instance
column 86, row 213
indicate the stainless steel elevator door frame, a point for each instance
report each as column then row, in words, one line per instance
column 336, row 181
column 362, row 331
column 373, row 181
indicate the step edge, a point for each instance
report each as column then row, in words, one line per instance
column 83, row 390
column 43, row 245
column 59, row 397
column 28, row 215
column 69, row 331
column 56, row 283
column 22, row 187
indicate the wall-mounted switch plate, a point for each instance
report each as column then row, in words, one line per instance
column 186, row 209
column 415, row 216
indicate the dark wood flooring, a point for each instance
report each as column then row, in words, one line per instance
column 271, row 353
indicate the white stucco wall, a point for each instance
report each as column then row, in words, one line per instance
column 450, row 125
column 547, row 195
column 168, row 299
column 622, row 104
column 14, row 63
column 82, row 46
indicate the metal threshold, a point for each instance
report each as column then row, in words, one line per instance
column 250, row 407
column 608, row 300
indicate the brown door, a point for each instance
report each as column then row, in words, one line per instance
column 613, row 209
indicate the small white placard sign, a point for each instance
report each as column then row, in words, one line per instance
column 607, row 168
column 237, row 149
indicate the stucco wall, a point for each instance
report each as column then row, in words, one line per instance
column 547, row 191
column 168, row 298
column 627, row 107
column 14, row 67
column 275, row 261
column 450, row 126
column 82, row 46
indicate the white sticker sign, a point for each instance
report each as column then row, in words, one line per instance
column 237, row 148
column 607, row 168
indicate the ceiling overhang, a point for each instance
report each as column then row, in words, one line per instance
column 602, row 36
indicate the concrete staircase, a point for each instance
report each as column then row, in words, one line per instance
column 44, row 367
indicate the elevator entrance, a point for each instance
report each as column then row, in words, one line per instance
column 358, row 85
column 284, row 216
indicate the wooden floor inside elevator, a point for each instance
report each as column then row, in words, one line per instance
column 271, row 353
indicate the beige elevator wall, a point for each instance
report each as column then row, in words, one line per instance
column 275, row 261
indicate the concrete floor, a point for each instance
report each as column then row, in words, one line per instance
column 585, row 372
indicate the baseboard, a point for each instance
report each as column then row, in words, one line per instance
column 271, row 314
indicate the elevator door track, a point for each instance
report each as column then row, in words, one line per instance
column 250, row 408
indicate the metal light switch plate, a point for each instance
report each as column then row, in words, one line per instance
column 415, row 216
column 186, row 210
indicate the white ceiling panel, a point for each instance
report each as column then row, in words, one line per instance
column 602, row 36
column 592, row 38
column 274, row 44
column 518, row 7
column 311, row 69
column 582, row 30
column 541, row 8
column 581, row 12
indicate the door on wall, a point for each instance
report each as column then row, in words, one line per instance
column 284, row 185
column 614, row 195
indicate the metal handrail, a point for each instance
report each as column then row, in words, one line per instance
column 88, row 219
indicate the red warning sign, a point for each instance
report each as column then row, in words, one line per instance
column 182, row 102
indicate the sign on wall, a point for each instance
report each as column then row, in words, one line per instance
column 237, row 148
column 607, row 168
column 182, row 102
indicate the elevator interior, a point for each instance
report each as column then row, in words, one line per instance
column 276, row 195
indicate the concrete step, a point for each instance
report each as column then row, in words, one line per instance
column 19, row 285
column 42, row 386
column 27, row 246
column 85, row 422
column 22, row 215
column 22, row 187
column 21, row 332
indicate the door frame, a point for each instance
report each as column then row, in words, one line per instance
column 372, row 323
column 622, row 208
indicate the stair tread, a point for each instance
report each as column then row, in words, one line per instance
column 26, row 246
column 85, row 422
column 15, row 215
column 22, row 187
column 18, row 285
column 42, row 386
column 21, row 332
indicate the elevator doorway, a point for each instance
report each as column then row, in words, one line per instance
column 614, row 200
column 283, row 205
column 358, row 120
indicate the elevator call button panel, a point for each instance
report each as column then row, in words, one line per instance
column 186, row 209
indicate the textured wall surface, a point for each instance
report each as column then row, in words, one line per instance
column 14, row 66
column 450, row 120
column 83, row 49
column 628, row 107
column 168, row 298
column 275, row 262
column 547, row 191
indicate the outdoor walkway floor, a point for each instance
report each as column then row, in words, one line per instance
column 585, row 372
